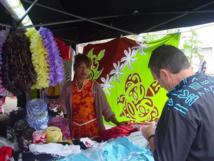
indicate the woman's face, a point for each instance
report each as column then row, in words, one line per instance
column 82, row 71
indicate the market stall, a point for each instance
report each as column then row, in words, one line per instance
column 35, row 62
column 39, row 129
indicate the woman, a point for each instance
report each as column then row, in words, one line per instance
column 85, row 102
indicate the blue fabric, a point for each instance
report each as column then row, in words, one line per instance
column 37, row 114
column 76, row 157
column 120, row 149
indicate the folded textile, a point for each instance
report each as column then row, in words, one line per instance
column 120, row 149
column 39, row 137
column 5, row 153
column 118, row 131
column 53, row 134
column 138, row 139
column 37, row 114
column 54, row 149
column 61, row 123
column 88, row 142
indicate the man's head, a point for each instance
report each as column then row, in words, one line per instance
column 167, row 63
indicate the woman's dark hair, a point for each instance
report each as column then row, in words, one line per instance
column 81, row 58
column 168, row 57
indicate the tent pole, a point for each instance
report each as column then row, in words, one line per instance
column 177, row 17
column 27, row 11
column 82, row 18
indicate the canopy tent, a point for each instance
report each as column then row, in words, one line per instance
column 83, row 21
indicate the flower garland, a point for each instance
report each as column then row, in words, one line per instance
column 17, row 69
column 3, row 36
column 39, row 58
column 56, row 67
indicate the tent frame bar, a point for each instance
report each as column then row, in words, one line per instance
column 115, row 16
column 69, row 21
column 81, row 18
column 177, row 17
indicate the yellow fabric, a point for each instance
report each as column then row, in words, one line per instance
column 39, row 58
column 54, row 134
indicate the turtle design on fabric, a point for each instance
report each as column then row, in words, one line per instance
column 136, row 100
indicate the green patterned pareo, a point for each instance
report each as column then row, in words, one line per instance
column 130, row 89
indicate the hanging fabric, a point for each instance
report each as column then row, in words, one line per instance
column 65, row 50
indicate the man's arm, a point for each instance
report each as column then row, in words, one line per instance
column 173, row 138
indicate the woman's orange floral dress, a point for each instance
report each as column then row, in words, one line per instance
column 84, row 121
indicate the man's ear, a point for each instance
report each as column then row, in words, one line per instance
column 164, row 73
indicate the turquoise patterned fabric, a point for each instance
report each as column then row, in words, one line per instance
column 120, row 149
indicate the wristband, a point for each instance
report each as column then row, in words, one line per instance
column 151, row 136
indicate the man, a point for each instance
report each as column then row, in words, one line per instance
column 185, row 130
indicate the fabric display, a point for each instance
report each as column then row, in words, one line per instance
column 5, row 153
column 88, row 142
column 39, row 137
column 80, row 143
column 56, row 69
column 76, row 157
column 5, row 142
column 54, row 149
column 8, row 104
column 55, row 108
column 130, row 89
column 65, row 50
column 29, row 156
column 20, row 126
column 16, row 115
column 39, row 54
column 118, row 131
column 53, row 134
column 3, row 36
column 120, row 149
column 37, row 114
column 23, row 134
column 113, row 51
column 66, row 53
column 25, row 139
column 4, row 123
column 17, row 69
column 63, row 124
column 137, row 138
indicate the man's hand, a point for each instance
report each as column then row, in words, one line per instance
column 148, row 129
